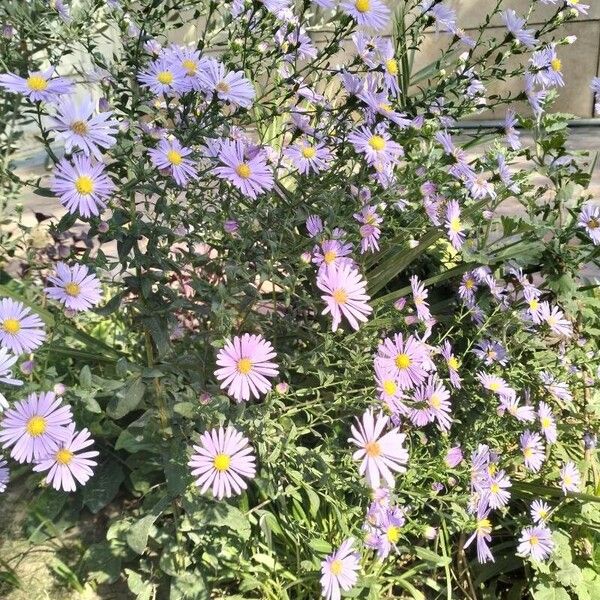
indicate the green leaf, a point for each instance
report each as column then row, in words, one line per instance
column 188, row 585
column 127, row 399
column 550, row 591
column 143, row 590
column 103, row 486
column 101, row 564
column 137, row 536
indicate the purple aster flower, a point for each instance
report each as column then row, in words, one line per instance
column 82, row 186
column 495, row 492
column 368, row 13
column 555, row 319
column 379, row 454
column 75, row 287
column 164, row 77
column 340, row 570
column 390, row 66
column 491, row 351
column 385, row 532
column 511, row 405
column 408, row 359
column 170, row 156
column 589, row 219
column 578, row 6
column 20, row 331
column 388, row 390
column 533, row 450
column 229, row 86
column 378, row 103
column 332, row 252
column 456, row 231
column 223, row 460
column 467, row 289
column 4, row 475
column 369, row 230
column 308, row 157
column 37, row 86
column 547, row 422
column 453, row 364
column 81, row 128
column 453, row 457
column 34, row 425
column 482, row 534
column 314, row 225
column 376, row 145
column 558, row 389
column 536, row 542
column 7, row 362
column 514, row 24
column 570, row 478
column 345, row 295
column 66, row 464
column 506, row 175
column 539, row 511
column 495, row 384
column 545, row 68
column 420, row 294
column 251, row 175
column 480, row 187
column 512, row 134
column 189, row 60
column 432, row 400
column 245, row 364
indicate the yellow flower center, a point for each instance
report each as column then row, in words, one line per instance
column 174, row 157
column 377, row 143
column 403, row 361
column 435, row 401
column 393, row 534
column 308, row 152
column 567, row 479
column 244, row 366
column 483, row 524
column 593, row 224
column 330, row 256
column 455, row 225
column 84, row 185
column 528, row 452
column 543, row 513
column 546, row 422
column 494, row 488
column 494, row 386
column 79, row 127
column 37, row 83
column 392, row 66
column 534, row 540
column 64, row 456
column 165, row 77
column 556, row 64
column 243, row 170
column 11, row 326
column 453, row 363
column 221, row 462
column 533, row 304
column 373, row 449
column 385, row 107
column 36, row 426
column 72, row 289
column 492, row 469
column 340, row 296
column 224, row 87
column 189, row 65
column 336, row 567
column 469, row 283
column 362, row 6
column 389, row 387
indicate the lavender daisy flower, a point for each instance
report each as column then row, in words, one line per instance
column 82, row 187
column 314, row 225
column 370, row 230
column 512, row 134
column 539, row 511
column 454, row 225
column 379, row 454
column 377, row 146
column 228, row 86
column 453, row 457
column 578, row 6
column 467, row 289
column 345, row 295
column 223, row 460
column 368, row 13
column 570, row 478
column 589, row 219
column 387, row 530
column 20, row 331
column 189, row 60
column 482, row 534
column 558, row 389
column 491, row 351
column 495, row 493
column 4, row 475
column 545, row 68
column 420, row 294
column 408, row 359
column 307, row 157
column 252, row 176
column 495, row 384
column 34, row 425
column 37, row 86
column 555, row 319
column 533, row 450
column 164, row 77
column 378, row 104
column 80, row 128
column 75, row 287
column 66, row 464
column 536, row 542
column 388, row 390
column 245, row 363
column 514, row 24
column 452, row 363
column 511, row 405
column 340, row 570
column 547, row 422
column 333, row 252
column 169, row 156
column 436, row 406
column 6, row 364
